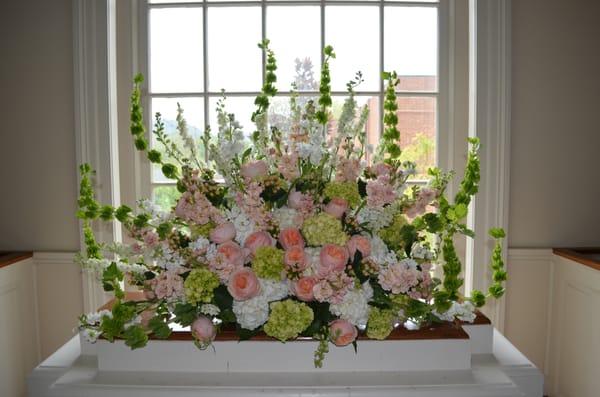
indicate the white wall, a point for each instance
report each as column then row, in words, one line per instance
column 555, row 138
column 37, row 141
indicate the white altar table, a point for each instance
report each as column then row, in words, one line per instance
column 495, row 368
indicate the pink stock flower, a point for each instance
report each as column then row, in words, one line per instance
column 303, row 288
column 347, row 170
column 359, row 243
column 258, row 239
column 203, row 330
column 380, row 169
column 243, row 284
column 150, row 237
column 380, row 192
column 333, row 287
column 195, row 208
column 222, row 233
column 399, row 278
column 288, row 166
column 290, row 237
column 168, row 284
column 342, row 332
column 336, row 207
column 254, row 169
column 333, row 258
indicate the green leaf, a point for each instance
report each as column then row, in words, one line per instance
column 245, row 334
column 159, row 327
column 135, row 337
column 460, row 210
column 497, row 232
column 185, row 314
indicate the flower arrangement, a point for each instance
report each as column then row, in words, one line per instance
column 291, row 234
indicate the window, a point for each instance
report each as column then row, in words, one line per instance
column 196, row 49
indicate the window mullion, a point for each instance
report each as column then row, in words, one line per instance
column 205, row 70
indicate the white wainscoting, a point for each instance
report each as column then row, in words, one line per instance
column 553, row 317
column 59, row 297
column 19, row 344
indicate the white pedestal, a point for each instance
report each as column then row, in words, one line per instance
column 495, row 369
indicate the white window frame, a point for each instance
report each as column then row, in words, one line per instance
column 96, row 109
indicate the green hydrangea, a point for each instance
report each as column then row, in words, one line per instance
column 323, row 229
column 380, row 323
column 288, row 319
column 391, row 235
column 345, row 190
column 199, row 285
column 268, row 262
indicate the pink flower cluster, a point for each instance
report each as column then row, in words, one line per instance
column 405, row 278
column 380, row 192
column 347, row 170
column 195, row 208
column 253, row 205
column 166, row 285
column 288, row 166
column 301, row 202
column 424, row 197
column 229, row 257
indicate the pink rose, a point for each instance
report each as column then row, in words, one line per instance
column 232, row 253
column 303, row 288
column 333, row 258
column 296, row 200
column 222, row 233
column 243, row 284
column 360, row 243
column 336, row 207
column 254, row 169
column 257, row 240
column 295, row 258
column 342, row 332
column 290, row 237
column 203, row 330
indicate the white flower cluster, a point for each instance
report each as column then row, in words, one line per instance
column 375, row 218
column 254, row 312
column 89, row 324
column 285, row 217
column 244, row 226
column 157, row 214
column 380, row 253
column 313, row 150
column 99, row 265
column 168, row 259
column 210, row 309
column 313, row 259
column 94, row 318
column 461, row 311
column 200, row 244
column 419, row 251
column 355, row 306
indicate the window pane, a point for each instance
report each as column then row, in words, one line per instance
column 234, row 60
column 165, row 196
column 295, row 38
column 176, row 60
column 193, row 112
column 411, row 46
column 241, row 107
column 354, row 34
column 372, row 124
column 417, row 125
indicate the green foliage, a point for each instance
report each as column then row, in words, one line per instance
column 185, row 314
column 159, row 327
column 136, row 126
column 135, row 337
column 389, row 148
column 325, row 100
column 268, row 89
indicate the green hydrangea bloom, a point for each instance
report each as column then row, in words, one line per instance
column 345, row 190
column 323, row 229
column 199, row 285
column 380, row 323
column 288, row 319
column 268, row 262
column 391, row 235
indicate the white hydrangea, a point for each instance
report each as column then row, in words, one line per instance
column 251, row 313
column 244, row 226
column 380, row 254
column 461, row 311
column 273, row 290
column 313, row 258
column 355, row 306
column 285, row 217
column 254, row 312
column 210, row 309
column 375, row 218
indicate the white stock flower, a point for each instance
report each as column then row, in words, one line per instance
column 169, row 259
column 210, row 309
column 380, row 254
column 244, row 226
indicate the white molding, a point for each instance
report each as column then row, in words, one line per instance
column 490, row 121
column 95, row 114
column 530, row 254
